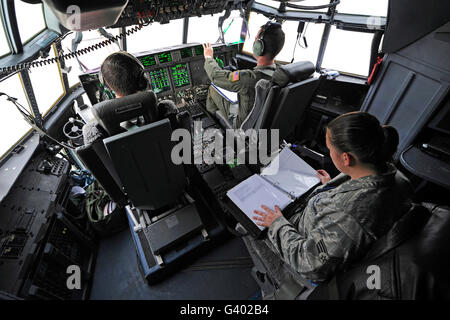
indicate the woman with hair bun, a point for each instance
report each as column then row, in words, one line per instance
column 345, row 215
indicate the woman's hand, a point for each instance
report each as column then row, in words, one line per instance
column 208, row 50
column 323, row 176
column 266, row 219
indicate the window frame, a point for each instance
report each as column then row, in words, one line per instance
column 64, row 93
column 4, row 156
column 38, row 32
column 344, row 21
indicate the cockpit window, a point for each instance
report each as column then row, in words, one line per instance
column 348, row 51
column 92, row 59
column 156, row 36
column 369, row 8
column 255, row 21
column 304, row 47
column 304, row 51
column 30, row 18
column 199, row 33
column 12, row 125
column 47, row 84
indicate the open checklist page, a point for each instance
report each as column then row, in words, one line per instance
column 250, row 194
column 291, row 173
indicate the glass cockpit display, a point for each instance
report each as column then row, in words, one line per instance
column 159, row 80
column 180, row 75
column 164, row 57
column 186, row 53
column 198, row 50
column 148, row 61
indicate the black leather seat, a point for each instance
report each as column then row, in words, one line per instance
column 413, row 259
column 136, row 166
column 110, row 115
column 290, row 91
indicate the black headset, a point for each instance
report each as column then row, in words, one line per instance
column 143, row 78
column 259, row 46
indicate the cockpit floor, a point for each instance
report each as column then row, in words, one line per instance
column 222, row 273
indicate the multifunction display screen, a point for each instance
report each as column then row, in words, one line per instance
column 159, row 80
column 180, row 75
column 186, row 53
column 148, row 61
column 164, row 57
column 198, row 50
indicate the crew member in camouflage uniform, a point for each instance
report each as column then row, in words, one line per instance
column 345, row 215
column 271, row 38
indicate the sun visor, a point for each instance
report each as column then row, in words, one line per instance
column 84, row 15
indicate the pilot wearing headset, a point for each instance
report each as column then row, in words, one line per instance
column 268, row 43
column 120, row 75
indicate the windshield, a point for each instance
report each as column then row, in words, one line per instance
column 294, row 49
column 231, row 27
column 30, row 19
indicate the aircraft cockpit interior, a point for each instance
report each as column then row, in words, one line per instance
column 205, row 150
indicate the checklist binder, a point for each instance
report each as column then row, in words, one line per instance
column 283, row 181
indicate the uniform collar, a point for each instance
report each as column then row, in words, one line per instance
column 345, row 183
column 267, row 70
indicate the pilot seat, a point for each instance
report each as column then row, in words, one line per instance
column 281, row 101
column 135, row 167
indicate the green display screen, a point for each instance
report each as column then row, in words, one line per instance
column 148, row 61
column 159, row 80
column 164, row 57
column 198, row 50
column 180, row 75
column 186, row 53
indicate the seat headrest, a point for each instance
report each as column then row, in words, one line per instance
column 111, row 113
column 293, row 72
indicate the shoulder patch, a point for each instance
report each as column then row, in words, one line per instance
column 235, row 76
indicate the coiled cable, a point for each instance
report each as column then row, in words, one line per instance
column 71, row 55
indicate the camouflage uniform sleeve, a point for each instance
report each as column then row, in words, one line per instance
column 317, row 254
column 232, row 81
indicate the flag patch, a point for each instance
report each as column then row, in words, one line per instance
column 235, row 76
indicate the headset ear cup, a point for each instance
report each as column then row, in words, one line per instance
column 144, row 80
column 258, row 47
column 104, row 87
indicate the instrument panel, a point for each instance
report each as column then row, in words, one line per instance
column 175, row 73
column 163, row 11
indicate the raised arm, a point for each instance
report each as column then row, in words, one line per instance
column 229, row 80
